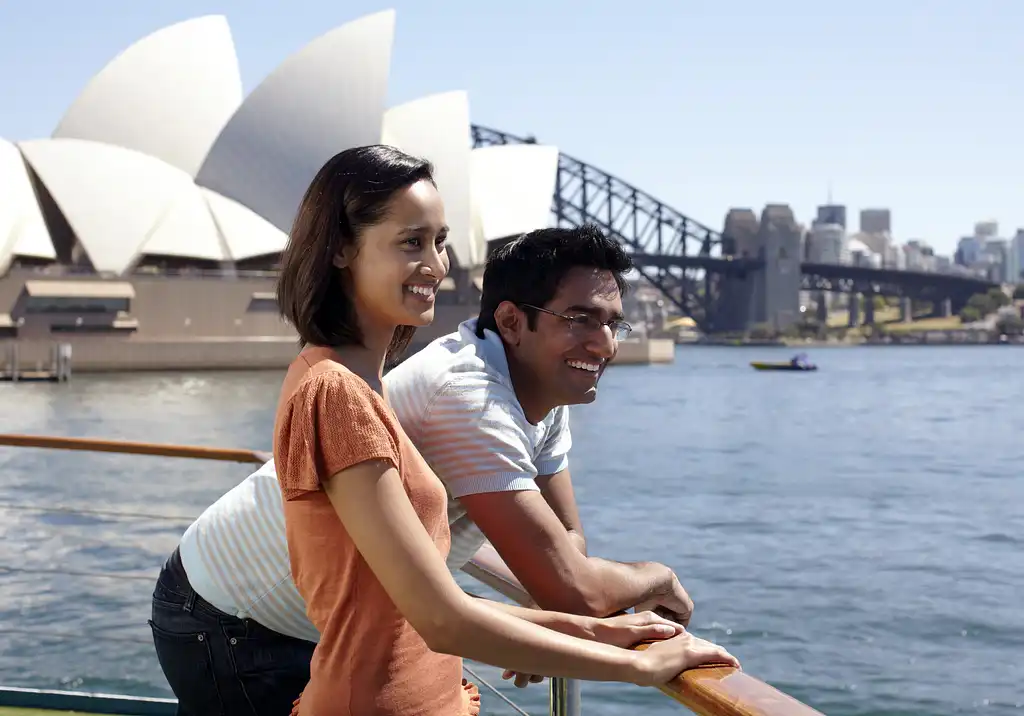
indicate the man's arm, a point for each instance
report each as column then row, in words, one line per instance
column 474, row 435
column 558, row 493
column 535, row 545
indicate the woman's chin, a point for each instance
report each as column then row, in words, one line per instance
column 420, row 318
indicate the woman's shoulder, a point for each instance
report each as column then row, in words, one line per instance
column 317, row 377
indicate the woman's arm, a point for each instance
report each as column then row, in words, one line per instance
column 371, row 502
column 624, row 630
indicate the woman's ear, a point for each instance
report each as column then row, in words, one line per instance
column 343, row 259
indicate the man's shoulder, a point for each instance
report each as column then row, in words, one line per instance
column 457, row 361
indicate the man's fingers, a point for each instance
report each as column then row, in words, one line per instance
column 521, row 680
column 683, row 619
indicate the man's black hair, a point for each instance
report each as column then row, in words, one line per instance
column 530, row 268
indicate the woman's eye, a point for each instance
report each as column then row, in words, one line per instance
column 440, row 241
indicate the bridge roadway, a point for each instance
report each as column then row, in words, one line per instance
column 833, row 277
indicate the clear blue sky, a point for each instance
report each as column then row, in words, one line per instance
column 916, row 105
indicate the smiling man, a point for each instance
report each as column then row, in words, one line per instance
column 487, row 407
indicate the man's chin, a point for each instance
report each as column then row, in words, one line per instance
column 581, row 397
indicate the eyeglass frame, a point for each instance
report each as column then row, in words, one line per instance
column 588, row 322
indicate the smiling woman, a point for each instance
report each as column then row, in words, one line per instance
column 399, row 217
column 365, row 516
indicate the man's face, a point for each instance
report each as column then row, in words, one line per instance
column 568, row 357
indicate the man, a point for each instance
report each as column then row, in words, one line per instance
column 487, row 408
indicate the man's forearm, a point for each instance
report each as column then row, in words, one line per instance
column 617, row 586
column 578, row 541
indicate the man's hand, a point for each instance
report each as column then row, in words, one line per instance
column 522, row 680
column 670, row 601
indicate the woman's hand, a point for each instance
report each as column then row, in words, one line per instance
column 665, row 660
column 627, row 630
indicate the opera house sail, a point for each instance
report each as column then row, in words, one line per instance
column 145, row 230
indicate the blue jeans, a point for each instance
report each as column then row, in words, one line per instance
column 220, row 665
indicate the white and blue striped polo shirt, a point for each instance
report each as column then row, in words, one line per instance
column 456, row 402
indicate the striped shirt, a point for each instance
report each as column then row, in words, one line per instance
column 456, row 402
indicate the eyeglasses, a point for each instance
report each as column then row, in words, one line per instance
column 584, row 323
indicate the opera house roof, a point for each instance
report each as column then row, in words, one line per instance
column 162, row 155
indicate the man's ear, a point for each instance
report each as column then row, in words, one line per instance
column 511, row 322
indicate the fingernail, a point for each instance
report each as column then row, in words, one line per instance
column 665, row 629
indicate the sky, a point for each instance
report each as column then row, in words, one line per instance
column 912, row 105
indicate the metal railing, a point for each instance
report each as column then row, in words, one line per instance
column 710, row 691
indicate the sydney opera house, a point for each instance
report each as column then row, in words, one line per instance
column 145, row 230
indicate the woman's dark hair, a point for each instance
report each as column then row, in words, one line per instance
column 349, row 194
column 530, row 268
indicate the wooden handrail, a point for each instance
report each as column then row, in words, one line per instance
column 134, row 448
column 706, row 691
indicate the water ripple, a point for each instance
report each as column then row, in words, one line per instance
column 852, row 535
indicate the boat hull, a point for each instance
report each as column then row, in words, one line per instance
column 784, row 367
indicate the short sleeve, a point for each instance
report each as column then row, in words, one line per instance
column 474, row 436
column 331, row 422
column 554, row 454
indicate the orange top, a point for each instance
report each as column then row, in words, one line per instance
column 370, row 661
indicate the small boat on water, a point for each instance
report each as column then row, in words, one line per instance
column 797, row 363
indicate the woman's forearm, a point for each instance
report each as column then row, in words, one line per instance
column 492, row 635
column 580, row 627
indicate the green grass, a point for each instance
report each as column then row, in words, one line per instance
column 926, row 324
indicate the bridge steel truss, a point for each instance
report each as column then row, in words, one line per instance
column 679, row 256
column 688, row 261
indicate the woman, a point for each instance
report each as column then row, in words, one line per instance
column 366, row 518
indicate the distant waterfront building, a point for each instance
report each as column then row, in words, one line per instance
column 832, row 214
column 827, row 244
column 862, row 255
column 994, row 259
column 741, row 227
column 1015, row 259
column 778, row 238
column 919, row 256
column 147, row 230
column 968, row 250
column 876, row 221
column 877, row 241
column 986, row 229
column 894, row 258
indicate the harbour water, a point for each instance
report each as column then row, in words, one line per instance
column 855, row 536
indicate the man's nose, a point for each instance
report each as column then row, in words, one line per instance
column 602, row 343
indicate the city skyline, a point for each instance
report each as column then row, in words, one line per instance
column 758, row 105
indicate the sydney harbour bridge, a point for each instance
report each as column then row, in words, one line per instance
column 702, row 272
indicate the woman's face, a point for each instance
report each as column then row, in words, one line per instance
column 399, row 263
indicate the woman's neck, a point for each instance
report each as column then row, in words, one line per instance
column 367, row 360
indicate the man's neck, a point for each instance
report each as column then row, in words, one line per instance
column 527, row 392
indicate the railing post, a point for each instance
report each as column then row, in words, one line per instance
column 566, row 699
